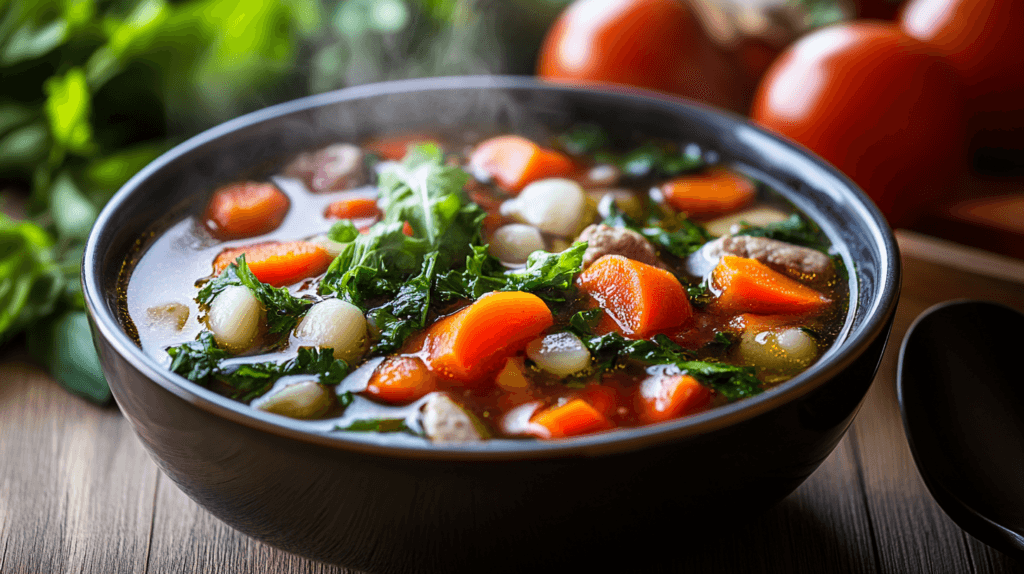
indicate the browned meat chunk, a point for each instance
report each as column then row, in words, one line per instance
column 606, row 240
column 802, row 263
column 333, row 168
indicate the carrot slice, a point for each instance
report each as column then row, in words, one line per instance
column 276, row 263
column 477, row 340
column 747, row 285
column 353, row 208
column 575, row 417
column 641, row 298
column 401, row 379
column 665, row 397
column 713, row 192
column 604, row 399
column 514, row 162
column 245, row 209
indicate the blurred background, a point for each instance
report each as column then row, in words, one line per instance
column 93, row 90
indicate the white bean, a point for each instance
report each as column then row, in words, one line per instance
column 335, row 324
column 234, row 318
column 555, row 205
column 784, row 351
column 561, row 354
column 305, row 400
column 515, row 242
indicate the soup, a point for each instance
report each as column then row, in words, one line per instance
column 506, row 287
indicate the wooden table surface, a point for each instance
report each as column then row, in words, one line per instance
column 79, row 494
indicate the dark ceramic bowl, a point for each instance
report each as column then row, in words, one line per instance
column 397, row 504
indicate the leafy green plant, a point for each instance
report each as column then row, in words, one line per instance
column 103, row 87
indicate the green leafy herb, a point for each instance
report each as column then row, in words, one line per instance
column 582, row 322
column 678, row 236
column 659, row 160
column 383, row 425
column 548, row 275
column 30, row 280
column 406, row 312
column 794, row 229
column 251, row 380
column 197, row 360
column 584, row 139
column 731, row 381
column 343, row 231
column 201, row 362
column 430, row 197
column 283, row 309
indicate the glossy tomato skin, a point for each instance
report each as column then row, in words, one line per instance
column 876, row 104
column 984, row 41
column 653, row 44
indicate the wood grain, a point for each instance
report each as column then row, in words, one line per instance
column 79, row 494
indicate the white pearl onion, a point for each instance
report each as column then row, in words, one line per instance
column 234, row 318
column 561, row 354
column 336, row 324
column 782, row 351
column 515, row 242
column 552, row 205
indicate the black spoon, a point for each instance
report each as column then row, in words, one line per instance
column 961, row 394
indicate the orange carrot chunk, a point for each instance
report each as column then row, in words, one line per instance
column 353, row 208
column 477, row 340
column 747, row 285
column 276, row 263
column 515, row 161
column 401, row 379
column 642, row 299
column 665, row 397
column 245, row 209
column 711, row 193
column 575, row 417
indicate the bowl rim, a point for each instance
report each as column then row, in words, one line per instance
column 879, row 310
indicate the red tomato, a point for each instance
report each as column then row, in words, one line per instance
column 654, row 44
column 984, row 41
column 876, row 104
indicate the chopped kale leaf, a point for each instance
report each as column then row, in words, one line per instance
column 795, row 229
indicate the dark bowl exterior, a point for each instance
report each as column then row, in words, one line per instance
column 360, row 502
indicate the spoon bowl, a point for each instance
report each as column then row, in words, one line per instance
column 961, row 395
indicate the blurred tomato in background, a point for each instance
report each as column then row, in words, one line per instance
column 654, row 44
column 984, row 41
column 878, row 105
